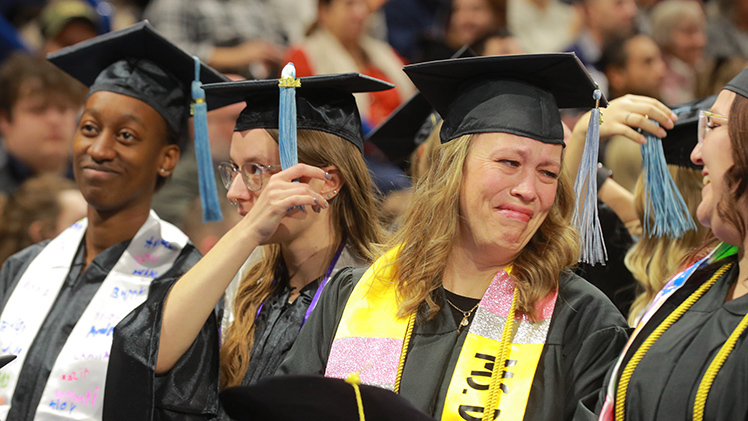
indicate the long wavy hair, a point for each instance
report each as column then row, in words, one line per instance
column 733, row 204
column 654, row 260
column 429, row 233
column 355, row 210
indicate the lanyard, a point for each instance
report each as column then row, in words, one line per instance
column 322, row 285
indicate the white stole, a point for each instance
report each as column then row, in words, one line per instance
column 75, row 388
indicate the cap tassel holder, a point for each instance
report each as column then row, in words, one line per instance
column 206, row 177
column 586, row 220
column 665, row 212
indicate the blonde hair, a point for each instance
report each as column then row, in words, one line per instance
column 667, row 15
column 653, row 260
column 428, row 236
column 354, row 208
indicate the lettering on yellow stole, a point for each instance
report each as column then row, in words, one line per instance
column 468, row 390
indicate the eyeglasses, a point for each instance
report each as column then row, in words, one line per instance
column 252, row 174
column 709, row 121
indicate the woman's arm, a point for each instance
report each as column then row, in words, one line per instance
column 194, row 296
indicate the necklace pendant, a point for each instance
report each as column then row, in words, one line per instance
column 464, row 321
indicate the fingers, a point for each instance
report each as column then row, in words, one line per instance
column 639, row 112
column 302, row 171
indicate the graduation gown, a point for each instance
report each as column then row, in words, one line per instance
column 72, row 300
column 664, row 384
column 585, row 336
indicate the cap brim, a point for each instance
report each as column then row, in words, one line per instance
column 312, row 398
column 85, row 60
column 561, row 74
column 5, row 359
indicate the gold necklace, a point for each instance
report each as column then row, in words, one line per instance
column 465, row 314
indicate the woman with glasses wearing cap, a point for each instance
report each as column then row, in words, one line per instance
column 687, row 358
column 63, row 301
column 472, row 312
column 302, row 224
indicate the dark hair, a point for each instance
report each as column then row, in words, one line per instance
column 50, row 82
column 479, row 46
column 614, row 52
column 736, row 177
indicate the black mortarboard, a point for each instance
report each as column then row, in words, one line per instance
column 517, row 94
column 140, row 63
column 409, row 125
column 5, row 359
column 683, row 137
column 324, row 103
column 739, row 84
column 312, row 398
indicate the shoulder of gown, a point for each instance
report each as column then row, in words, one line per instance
column 190, row 390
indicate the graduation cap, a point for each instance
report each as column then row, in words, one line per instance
column 316, row 398
column 683, row 137
column 409, row 125
column 516, row 94
column 140, row 63
column 5, row 359
column 739, row 84
column 324, row 103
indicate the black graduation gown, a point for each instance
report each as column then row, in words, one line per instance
column 75, row 295
column 664, row 384
column 586, row 335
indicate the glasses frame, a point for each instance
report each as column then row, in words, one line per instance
column 705, row 123
column 231, row 169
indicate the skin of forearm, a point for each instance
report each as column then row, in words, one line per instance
column 193, row 298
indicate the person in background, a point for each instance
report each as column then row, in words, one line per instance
column 39, row 210
column 338, row 44
column 72, row 292
column 543, row 26
column 234, row 36
column 468, row 22
column 67, row 22
column 602, row 21
column 39, row 105
column 678, row 27
column 727, row 32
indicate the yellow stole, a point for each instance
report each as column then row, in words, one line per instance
column 370, row 337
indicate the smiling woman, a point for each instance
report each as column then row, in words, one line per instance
column 687, row 359
column 472, row 312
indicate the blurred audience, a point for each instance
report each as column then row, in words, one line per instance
column 205, row 235
column 39, row 210
column 727, row 33
column 633, row 65
column 39, row 106
column 498, row 43
column 602, row 22
column 67, row 22
column 409, row 21
column 338, row 43
column 543, row 26
column 678, row 27
column 469, row 21
column 237, row 36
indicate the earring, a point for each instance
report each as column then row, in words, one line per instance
column 163, row 171
column 330, row 195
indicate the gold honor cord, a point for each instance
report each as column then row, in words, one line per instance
column 498, row 369
column 354, row 380
column 404, row 351
column 706, row 382
column 620, row 407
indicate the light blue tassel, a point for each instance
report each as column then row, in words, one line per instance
column 663, row 201
column 586, row 220
column 287, row 117
column 206, row 178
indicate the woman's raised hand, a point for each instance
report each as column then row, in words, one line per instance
column 283, row 197
column 626, row 114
